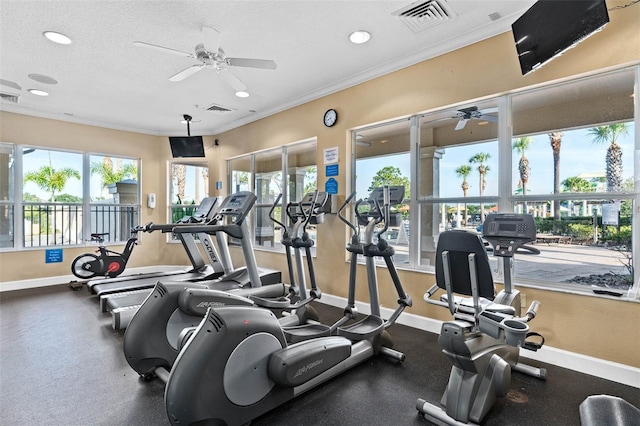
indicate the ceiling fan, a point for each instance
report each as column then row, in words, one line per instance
column 466, row 114
column 209, row 54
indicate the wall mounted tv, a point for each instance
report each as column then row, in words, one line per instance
column 550, row 27
column 186, row 146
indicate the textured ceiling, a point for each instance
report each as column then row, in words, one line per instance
column 105, row 80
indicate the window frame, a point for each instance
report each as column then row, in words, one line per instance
column 506, row 200
column 286, row 183
column 84, row 207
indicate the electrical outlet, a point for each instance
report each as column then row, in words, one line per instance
column 523, row 301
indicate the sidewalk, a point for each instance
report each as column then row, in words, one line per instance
column 560, row 262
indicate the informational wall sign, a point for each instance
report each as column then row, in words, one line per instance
column 331, row 186
column 331, row 155
column 610, row 213
column 53, row 256
column 331, row 170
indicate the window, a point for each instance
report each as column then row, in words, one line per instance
column 59, row 198
column 290, row 170
column 383, row 158
column 115, row 195
column 563, row 153
column 51, row 197
column 189, row 185
column 573, row 169
column 7, row 166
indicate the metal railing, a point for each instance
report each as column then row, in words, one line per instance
column 61, row 224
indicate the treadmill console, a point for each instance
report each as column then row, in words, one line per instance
column 238, row 205
column 317, row 215
column 506, row 232
column 396, row 195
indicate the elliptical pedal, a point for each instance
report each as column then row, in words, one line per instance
column 363, row 329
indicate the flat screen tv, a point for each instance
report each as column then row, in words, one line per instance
column 550, row 27
column 186, row 146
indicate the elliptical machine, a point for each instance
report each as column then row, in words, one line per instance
column 485, row 337
column 238, row 364
column 167, row 318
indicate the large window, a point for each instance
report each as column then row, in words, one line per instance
column 58, row 198
column 290, row 170
column 188, row 185
column 566, row 153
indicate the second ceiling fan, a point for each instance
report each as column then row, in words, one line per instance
column 209, row 54
column 466, row 114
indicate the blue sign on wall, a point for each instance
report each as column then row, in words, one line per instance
column 331, row 170
column 53, row 256
column 331, row 186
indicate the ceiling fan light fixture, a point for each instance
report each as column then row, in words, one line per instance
column 359, row 37
column 38, row 92
column 57, row 37
column 242, row 94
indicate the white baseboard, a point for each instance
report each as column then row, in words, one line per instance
column 604, row 369
column 62, row 279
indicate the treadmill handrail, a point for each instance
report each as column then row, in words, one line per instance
column 233, row 229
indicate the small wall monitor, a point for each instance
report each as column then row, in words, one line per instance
column 186, row 146
column 550, row 27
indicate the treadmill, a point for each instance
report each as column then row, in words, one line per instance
column 199, row 269
column 230, row 220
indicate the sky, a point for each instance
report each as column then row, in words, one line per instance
column 577, row 155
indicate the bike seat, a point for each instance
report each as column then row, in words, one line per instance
column 98, row 236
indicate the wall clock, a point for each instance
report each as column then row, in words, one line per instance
column 330, row 117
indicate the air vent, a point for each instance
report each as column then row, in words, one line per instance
column 9, row 97
column 422, row 15
column 219, row 109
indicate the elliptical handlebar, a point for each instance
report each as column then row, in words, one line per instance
column 307, row 215
column 273, row 207
column 354, row 228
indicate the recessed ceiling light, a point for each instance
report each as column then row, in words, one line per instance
column 242, row 94
column 359, row 37
column 57, row 37
column 38, row 92
column 43, row 79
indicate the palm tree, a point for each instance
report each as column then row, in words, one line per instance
column 555, row 139
column 51, row 180
column 109, row 175
column 520, row 145
column 610, row 133
column 179, row 176
column 576, row 184
column 463, row 171
column 480, row 158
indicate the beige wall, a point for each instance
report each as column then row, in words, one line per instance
column 581, row 324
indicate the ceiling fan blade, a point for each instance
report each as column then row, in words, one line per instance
column 251, row 63
column 488, row 110
column 232, row 80
column 186, row 73
column 211, row 39
column 461, row 124
column 488, row 118
column 162, row 49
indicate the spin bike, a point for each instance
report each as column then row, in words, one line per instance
column 239, row 363
column 109, row 263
